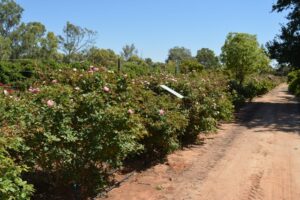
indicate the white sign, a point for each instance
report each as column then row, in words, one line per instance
column 172, row 91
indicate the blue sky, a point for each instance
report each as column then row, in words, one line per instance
column 155, row 26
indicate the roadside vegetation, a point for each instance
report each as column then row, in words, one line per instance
column 69, row 119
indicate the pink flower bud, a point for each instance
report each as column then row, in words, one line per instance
column 106, row 89
column 54, row 81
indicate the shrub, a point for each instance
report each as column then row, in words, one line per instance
column 77, row 135
column 77, row 125
column 252, row 88
column 12, row 186
column 294, row 82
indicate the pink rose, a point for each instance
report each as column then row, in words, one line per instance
column 34, row 90
column 95, row 69
column 106, row 89
column 50, row 103
column 54, row 81
column 161, row 112
column 130, row 111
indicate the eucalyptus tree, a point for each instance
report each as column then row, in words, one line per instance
column 75, row 39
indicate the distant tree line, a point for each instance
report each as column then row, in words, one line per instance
column 241, row 53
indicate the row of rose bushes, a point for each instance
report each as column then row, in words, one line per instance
column 74, row 126
column 253, row 86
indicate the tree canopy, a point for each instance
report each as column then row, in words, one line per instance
column 75, row 39
column 285, row 47
column 128, row 51
column 10, row 16
column 242, row 55
column 179, row 54
column 207, row 58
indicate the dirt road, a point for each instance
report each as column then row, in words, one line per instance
column 257, row 157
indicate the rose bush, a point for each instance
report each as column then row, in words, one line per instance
column 77, row 125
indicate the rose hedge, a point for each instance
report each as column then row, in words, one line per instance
column 76, row 125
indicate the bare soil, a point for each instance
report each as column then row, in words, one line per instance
column 256, row 157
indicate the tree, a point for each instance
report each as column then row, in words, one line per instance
column 149, row 61
column 49, row 46
column 178, row 54
column 190, row 65
column 207, row 58
column 102, row 57
column 286, row 46
column 128, row 51
column 75, row 39
column 10, row 16
column 5, row 48
column 242, row 55
column 27, row 40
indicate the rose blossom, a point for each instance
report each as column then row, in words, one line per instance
column 54, row 81
column 34, row 90
column 50, row 103
column 130, row 111
column 161, row 112
column 95, row 69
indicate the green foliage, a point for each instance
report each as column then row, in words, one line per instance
column 19, row 75
column 285, row 47
column 207, row 58
column 178, row 54
column 5, row 48
column 251, row 88
column 27, row 40
column 75, row 39
column 128, row 51
column 292, row 75
column 242, row 55
column 78, row 124
column 190, row 65
column 49, row 47
column 10, row 16
column 12, row 186
column 294, row 82
column 102, row 57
